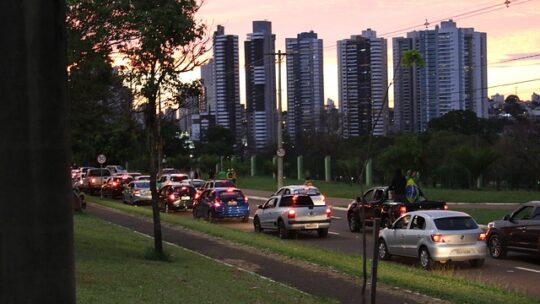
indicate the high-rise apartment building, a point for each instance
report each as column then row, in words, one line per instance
column 354, row 75
column 226, row 78
column 305, row 84
column 260, row 86
column 379, row 82
column 454, row 76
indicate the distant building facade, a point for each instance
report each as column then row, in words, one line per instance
column 354, row 82
column 305, row 84
column 454, row 77
column 260, row 86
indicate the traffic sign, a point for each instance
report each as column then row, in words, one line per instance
column 280, row 152
column 101, row 159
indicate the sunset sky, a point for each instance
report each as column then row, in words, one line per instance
column 512, row 32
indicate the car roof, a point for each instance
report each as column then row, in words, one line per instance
column 221, row 189
column 532, row 203
column 294, row 187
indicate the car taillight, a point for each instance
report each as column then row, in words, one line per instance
column 245, row 199
column 184, row 188
column 114, row 184
column 437, row 238
column 482, row 236
column 291, row 214
column 217, row 204
column 93, row 180
column 445, row 206
column 197, row 195
column 294, row 198
column 402, row 210
column 136, row 191
column 328, row 212
column 230, row 189
column 81, row 182
column 172, row 197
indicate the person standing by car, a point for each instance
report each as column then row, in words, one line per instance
column 411, row 189
column 398, row 186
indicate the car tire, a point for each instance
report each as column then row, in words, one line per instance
column 283, row 233
column 257, row 225
column 497, row 248
column 476, row 263
column 322, row 232
column 354, row 223
column 425, row 259
column 383, row 250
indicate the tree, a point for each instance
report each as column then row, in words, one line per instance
column 158, row 41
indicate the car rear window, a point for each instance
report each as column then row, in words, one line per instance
column 223, row 184
column 143, row 184
column 178, row 178
column 231, row 195
column 99, row 172
column 456, row 223
column 296, row 201
column 308, row 191
column 185, row 189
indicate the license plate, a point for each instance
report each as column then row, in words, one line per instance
column 233, row 203
column 312, row 226
column 185, row 198
column 462, row 251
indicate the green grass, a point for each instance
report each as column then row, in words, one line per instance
column 113, row 266
column 441, row 284
column 484, row 216
column 344, row 190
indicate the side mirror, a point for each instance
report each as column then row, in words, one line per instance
column 259, row 207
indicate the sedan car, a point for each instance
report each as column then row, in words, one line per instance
column 114, row 186
column 137, row 193
column 221, row 203
column 434, row 236
column 519, row 231
column 316, row 196
column 176, row 197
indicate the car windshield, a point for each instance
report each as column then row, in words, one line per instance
column 296, row 201
column 231, row 195
column 311, row 191
column 456, row 223
column 143, row 185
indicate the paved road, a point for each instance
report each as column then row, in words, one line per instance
column 305, row 277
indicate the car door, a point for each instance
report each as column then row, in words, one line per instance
column 413, row 235
column 396, row 235
column 367, row 203
column 531, row 234
column 267, row 215
column 202, row 206
column 516, row 234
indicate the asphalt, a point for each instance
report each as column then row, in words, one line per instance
column 305, row 277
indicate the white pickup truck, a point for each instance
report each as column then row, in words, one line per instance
column 289, row 214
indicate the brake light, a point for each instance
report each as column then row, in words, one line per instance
column 245, row 199
column 294, row 198
column 93, row 180
column 172, row 197
column 217, row 204
column 114, row 184
column 81, row 182
column 230, row 189
column 445, row 206
column 184, row 188
column 291, row 214
column 437, row 238
column 482, row 236
column 124, row 177
column 328, row 212
column 197, row 195
column 402, row 210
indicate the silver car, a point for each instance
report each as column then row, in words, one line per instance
column 434, row 236
column 137, row 193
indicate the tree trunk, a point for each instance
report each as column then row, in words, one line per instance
column 153, row 143
column 36, row 219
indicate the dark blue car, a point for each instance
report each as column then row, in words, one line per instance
column 221, row 203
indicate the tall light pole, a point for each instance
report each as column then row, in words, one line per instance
column 280, row 151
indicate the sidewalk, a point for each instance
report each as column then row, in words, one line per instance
column 306, row 277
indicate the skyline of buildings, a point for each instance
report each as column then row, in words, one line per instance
column 454, row 78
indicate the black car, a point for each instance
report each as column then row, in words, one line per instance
column 115, row 186
column 518, row 231
column 176, row 197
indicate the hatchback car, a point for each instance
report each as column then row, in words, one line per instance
column 316, row 196
column 176, row 197
column 434, row 236
column 137, row 193
column 221, row 203
column 114, row 186
column 519, row 231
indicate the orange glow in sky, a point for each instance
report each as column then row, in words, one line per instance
column 512, row 32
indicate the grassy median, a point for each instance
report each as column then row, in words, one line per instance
column 112, row 266
column 441, row 284
column 344, row 190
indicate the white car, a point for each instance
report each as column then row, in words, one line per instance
column 167, row 179
column 313, row 192
column 434, row 236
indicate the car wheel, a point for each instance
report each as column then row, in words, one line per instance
column 497, row 249
column 257, row 224
column 425, row 259
column 282, row 231
column 476, row 263
column 383, row 250
column 322, row 232
column 354, row 224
